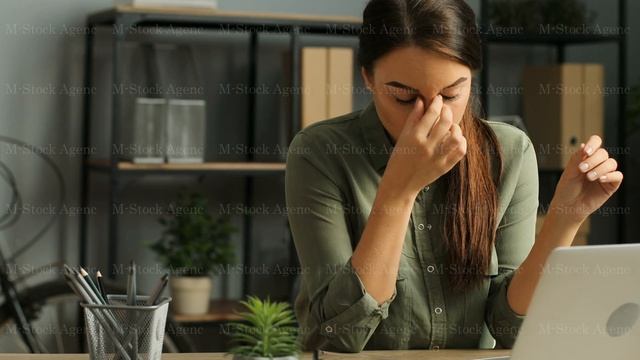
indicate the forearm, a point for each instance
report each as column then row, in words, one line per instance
column 557, row 231
column 377, row 256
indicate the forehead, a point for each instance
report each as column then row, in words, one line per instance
column 419, row 68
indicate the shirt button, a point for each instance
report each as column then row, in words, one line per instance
column 328, row 329
column 428, row 226
column 431, row 268
column 420, row 226
column 438, row 310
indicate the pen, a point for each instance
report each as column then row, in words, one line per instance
column 155, row 294
column 131, row 285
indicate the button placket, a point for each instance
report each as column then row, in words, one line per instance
column 432, row 278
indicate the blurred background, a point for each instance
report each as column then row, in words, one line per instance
column 121, row 127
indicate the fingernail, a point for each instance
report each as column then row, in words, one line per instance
column 589, row 150
column 581, row 145
column 603, row 177
column 592, row 175
column 584, row 166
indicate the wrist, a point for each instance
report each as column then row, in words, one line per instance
column 572, row 216
column 392, row 186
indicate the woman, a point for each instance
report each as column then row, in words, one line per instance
column 415, row 219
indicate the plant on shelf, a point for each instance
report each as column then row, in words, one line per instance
column 268, row 331
column 193, row 245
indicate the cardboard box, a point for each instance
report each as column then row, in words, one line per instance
column 563, row 107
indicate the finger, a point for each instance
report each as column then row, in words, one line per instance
column 449, row 140
column 594, row 160
column 592, row 144
column 612, row 177
column 430, row 116
column 457, row 151
column 416, row 113
column 606, row 167
column 442, row 127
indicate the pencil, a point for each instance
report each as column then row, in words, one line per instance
column 155, row 294
column 131, row 285
column 87, row 278
column 101, row 287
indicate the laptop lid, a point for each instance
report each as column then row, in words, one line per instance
column 586, row 306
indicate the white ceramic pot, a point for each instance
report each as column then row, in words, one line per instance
column 190, row 294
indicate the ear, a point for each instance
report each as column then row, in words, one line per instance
column 365, row 76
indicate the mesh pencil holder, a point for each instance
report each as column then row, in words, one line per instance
column 123, row 332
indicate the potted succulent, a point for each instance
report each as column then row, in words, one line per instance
column 268, row 331
column 193, row 245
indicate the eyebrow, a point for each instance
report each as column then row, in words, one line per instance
column 407, row 87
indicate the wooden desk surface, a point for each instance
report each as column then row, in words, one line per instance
column 399, row 354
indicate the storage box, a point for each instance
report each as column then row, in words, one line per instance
column 563, row 107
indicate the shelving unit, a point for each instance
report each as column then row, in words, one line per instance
column 560, row 42
column 243, row 167
column 124, row 20
column 219, row 311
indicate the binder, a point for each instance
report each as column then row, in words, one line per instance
column 327, row 83
column 562, row 106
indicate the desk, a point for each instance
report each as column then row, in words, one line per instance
column 398, row 354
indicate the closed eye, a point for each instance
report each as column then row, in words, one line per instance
column 412, row 100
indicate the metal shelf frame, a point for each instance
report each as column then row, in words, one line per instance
column 124, row 22
column 560, row 42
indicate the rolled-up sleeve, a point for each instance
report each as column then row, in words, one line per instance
column 514, row 240
column 341, row 315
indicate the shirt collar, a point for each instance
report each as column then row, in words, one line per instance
column 378, row 141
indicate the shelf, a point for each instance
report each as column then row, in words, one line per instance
column 212, row 19
column 242, row 167
column 219, row 311
column 541, row 39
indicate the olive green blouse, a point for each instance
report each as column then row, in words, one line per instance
column 332, row 176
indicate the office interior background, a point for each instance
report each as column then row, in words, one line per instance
column 42, row 103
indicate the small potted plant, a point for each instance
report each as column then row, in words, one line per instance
column 193, row 245
column 268, row 332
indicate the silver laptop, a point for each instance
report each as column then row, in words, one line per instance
column 586, row 306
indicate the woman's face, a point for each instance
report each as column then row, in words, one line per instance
column 405, row 74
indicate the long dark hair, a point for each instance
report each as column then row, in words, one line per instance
column 448, row 27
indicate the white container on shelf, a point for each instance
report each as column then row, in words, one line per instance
column 185, row 131
column 148, row 131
